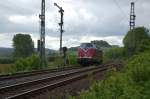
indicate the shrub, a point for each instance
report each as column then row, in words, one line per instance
column 138, row 67
column 27, row 64
column 115, row 53
column 133, row 82
column 114, row 87
column 143, row 46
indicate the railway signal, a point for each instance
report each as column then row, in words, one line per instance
column 61, row 11
column 65, row 54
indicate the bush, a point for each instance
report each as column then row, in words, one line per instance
column 57, row 60
column 131, row 83
column 114, row 54
column 138, row 67
column 143, row 46
column 114, row 87
column 27, row 64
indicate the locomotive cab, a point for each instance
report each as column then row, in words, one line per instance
column 88, row 54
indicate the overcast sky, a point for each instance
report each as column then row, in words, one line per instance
column 84, row 20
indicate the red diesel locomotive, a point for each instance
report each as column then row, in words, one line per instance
column 88, row 54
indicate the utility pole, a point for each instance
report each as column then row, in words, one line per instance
column 61, row 11
column 42, row 34
column 132, row 16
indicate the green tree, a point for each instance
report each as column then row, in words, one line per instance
column 101, row 44
column 144, row 45
column 23, row 46
column 134, row 37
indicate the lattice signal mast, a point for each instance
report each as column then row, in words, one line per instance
column 61, row 11
column 42, row 33
column 132, row 16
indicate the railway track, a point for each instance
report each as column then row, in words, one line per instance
column 37, row 72
column 29, row 88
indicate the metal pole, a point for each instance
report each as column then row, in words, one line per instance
column 132, row 16
column 61, row 28
column 42, row 35
column 132, row 26
column 61, row 11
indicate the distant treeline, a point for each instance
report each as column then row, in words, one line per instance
column 6, row 60
column 100, row 44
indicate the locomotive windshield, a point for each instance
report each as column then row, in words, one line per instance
column 86, row 45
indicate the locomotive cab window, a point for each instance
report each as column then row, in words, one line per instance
column 86, row 45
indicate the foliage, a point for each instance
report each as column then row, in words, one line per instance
column 134, row 37
column 26, row 64
column 132, row 82
column 6, row 60
column 114, row 53
column 23, row 46
column 100, row 44
column 144, row 45
column 56, row 60
column 138, row 67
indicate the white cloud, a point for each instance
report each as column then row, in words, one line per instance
column 5, row 40
column 53, row 42
column 84, row 20
column 20, row 19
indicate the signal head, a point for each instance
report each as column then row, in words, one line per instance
column 55, row 4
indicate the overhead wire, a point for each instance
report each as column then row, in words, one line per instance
column 122, row 11
column 136, row 1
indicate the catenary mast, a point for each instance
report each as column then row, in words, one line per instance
column 42, row 34
column 132, row 16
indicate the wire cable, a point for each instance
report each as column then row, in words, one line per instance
column 136, row 1
column 122, row 11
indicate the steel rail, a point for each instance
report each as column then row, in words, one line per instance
column 28, row 83
column 18, row 86
column 32, row 73
column 56, row 84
